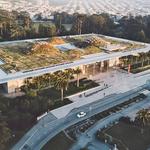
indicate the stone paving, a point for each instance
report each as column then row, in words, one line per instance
column 118, row 81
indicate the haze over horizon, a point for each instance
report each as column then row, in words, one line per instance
column 46, row 7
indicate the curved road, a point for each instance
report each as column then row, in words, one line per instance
column 38, row 136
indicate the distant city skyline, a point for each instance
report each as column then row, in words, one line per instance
column 46, row 7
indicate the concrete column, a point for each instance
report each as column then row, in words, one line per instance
column 94, row 67
column 108, row 62
column 12, row 85
column 102, row 66
column 105, row 65
column 99, row 63
column 84, row 70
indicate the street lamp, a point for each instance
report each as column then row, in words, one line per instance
column 90, row 108
column 115, row 147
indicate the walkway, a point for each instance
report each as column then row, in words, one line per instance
column 89, row 135
column 117, row 81
column 41, row 133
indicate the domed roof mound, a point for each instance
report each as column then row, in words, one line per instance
column 96, row 41
column 44, row 48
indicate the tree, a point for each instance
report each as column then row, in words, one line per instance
column 141, row 36
column 133, row 28
column 5, row 134
column 68, row 73
column 78, row 24
column 60, row 83
column 38, row 82
column 26, row 86
column 52, row 30
column 47, row 30
column 78, row 71
column 144, row 117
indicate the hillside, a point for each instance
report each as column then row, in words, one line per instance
column 46, row 7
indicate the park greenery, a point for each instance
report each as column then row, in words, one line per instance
column 27, row 55
column 42, row 94
column 135, row 133
column 138, row 63
column 60, row 80
column 18, row 25
column 47, row 92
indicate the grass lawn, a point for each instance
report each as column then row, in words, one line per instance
column 131, row 135
column 59, row 142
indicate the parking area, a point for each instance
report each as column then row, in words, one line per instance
column 76, row 130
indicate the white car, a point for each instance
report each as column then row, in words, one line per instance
column 81, row 114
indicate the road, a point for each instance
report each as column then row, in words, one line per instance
column 89, row 135
column 37, row 137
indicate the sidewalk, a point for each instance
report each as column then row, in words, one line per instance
column 117, row 82
column 89, row 135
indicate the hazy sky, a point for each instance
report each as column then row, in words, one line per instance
column 123, row 7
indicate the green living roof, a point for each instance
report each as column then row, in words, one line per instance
column 26, row 55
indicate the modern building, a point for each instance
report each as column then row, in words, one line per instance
column 97, row 54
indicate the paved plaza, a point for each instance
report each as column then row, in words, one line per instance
column 111, row 82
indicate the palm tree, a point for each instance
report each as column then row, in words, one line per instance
column 148, row 55
column 68, row 74
column 37, row 82
column 144, row 117
column 78, row 71
column 124, row 60
column 52, row 78
column 46, row 79
column 27, row 82
column 60, row 83
column 27, row 85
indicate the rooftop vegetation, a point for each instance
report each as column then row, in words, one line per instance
column 22, row 56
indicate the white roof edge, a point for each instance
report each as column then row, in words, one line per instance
column 85, row 61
